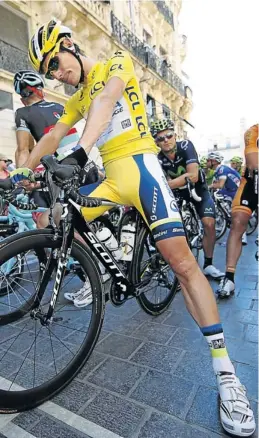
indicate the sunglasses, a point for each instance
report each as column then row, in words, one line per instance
column 53, row 66
column 161, row 138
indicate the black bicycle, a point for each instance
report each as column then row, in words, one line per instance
column 191, row 221
column 45, row 340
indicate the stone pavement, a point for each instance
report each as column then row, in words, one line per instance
column 152, row 377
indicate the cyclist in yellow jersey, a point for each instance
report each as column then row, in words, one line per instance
column 111, row 100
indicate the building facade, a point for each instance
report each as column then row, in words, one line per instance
column 147, row 29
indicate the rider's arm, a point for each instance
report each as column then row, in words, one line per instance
column 25, row 141
column 47, row 145
column 219, row 178
column 192, row 173
column 120, row 72
column 100, row 112
column 219, row 184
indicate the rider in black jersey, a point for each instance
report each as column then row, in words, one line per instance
column 34, row 120
column 179, row 160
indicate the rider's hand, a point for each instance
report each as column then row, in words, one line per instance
column 89, row 174
column 78, row 157
column 21, row 174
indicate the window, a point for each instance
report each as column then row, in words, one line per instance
column 13, row 29
column 13, row 41
column 6, row 100
column 166, row 111
column 151, row 106
column 147, row 38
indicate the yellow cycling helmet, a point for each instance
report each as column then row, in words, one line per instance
column 45, row 39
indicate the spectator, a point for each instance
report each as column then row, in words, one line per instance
column 4, row 163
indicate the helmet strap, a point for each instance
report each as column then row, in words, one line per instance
column 77, row 56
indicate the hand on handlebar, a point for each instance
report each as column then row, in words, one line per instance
column 21, row 174
column 192, row 191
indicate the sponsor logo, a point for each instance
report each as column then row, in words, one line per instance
column 154, row 205
column 244, row 202
column 23, row 123
column 184, row 145
column 176, row 230
column 160, row 234
column 81, row 95
column 57, row 115
column 97, row 87
column 217, row 343
column 134, row 100
column 118, row 54
column 125, row 124
column 208, row 209
column 116, row 67
column 173, row 206
column 83, row 109
column 118, row 109
column 106, row 258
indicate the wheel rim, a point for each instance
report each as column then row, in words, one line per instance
column 31, row 354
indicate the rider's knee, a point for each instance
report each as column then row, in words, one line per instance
column 238, row 223
column 209, row 226
column 184, row 265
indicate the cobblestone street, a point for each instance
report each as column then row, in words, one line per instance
column 152, row 377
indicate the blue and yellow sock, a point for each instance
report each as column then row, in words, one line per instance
column 220, row 359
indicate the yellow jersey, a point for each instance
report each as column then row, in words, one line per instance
column 252, row 140
column 128, row 133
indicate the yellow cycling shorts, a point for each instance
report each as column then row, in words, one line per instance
column 140, row 182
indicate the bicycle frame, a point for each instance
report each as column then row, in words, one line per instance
column 71, row 219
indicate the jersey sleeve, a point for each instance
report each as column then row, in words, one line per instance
column 121, row 66
column 220, row 173
column 21, row 122
column 70, row 114
column 188, row 152
column 252, row 140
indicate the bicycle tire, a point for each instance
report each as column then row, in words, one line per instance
column 251, row 226
column 223, row 228
column 154, row 309
column 18, row 401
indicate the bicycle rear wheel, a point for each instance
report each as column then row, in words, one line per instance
column 156, row 280
column 252, row 224
column 37, row 360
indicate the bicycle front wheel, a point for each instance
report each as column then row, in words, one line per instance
column 37, row 360
column 153, row 276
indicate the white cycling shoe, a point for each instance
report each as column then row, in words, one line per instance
column 212, row 271
column 226, row 288
column 83, row 297
column 244, row 239
column 236, row 416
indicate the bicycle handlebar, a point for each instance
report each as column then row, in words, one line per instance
column 191, row 188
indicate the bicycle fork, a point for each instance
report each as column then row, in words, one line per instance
column 59, row 259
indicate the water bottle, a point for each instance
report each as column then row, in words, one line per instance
column 128, row 233
column 105, row 236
